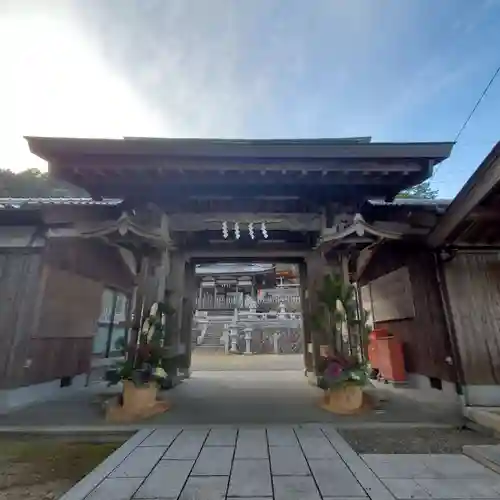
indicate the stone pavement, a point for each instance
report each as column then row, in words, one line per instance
column 231, row 398
column 302, row 462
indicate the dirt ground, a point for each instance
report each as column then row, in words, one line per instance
column 418, row 440
column 43, row 469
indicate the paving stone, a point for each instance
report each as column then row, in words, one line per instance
column 187, row 446
column 486, row 454
column 161, row 437
column 406, row 488
column 365, row 476
column 459, row 488
column 317, row 447
column 281, row 436
column 399, row 466
column 166, row 480
column 449, row 466
column 140, row 462
column 295, row 488
column 309, row 430
column 288, row 461
column 205, row 488
column 250, row 478
column 251, row 443
column 214, row 461
column 335, row 479
column 225, row 436
column 118, row 488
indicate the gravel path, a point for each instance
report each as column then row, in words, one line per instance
column 418, row 440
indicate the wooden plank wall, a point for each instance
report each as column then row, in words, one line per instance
column 473, row 283
column 425, row 338
column 58, row 326
column 19, row 289
column 91, row 258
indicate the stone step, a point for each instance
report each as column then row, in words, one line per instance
column 210, row 348
column 486, row 417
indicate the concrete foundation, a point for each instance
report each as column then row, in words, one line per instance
column 482, row 395
column 12, row 399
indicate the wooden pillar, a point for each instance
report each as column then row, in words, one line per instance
column 163, row 269
column 139, row 296
column 306, row 318
column 175, row 287
column 188, row 308
column 316, row 270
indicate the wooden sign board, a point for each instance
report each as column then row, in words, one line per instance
column 392, row 296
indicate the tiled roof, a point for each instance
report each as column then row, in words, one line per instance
column 16, row 203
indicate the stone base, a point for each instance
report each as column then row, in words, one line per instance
column 20, row 397
column 135, row 403
column 184, row 373
column 489, row 418
column 345, row 400
column 312, row 378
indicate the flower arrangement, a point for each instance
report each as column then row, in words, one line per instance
column 338, row 371
column 146, row 360
column 337, row 308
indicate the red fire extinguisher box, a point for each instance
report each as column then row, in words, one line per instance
column 385, row 353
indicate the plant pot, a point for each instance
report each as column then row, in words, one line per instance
column 344, row 400
column 137, row 402
column 136, row 398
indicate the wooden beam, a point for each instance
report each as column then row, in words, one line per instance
column 235, row 164
column 485, row 214
column 477, row 188
column 261, row 253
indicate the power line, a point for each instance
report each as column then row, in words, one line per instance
column 474, row 109
column 490, row 83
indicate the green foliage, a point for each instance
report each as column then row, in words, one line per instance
column 33, row 183
column 337, row 305
column 423, row 191
column 148, row 360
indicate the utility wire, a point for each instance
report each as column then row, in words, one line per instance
column 474, row 109
column 490, row 83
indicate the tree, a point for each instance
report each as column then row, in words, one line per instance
column 423, row 190
column 33, row 183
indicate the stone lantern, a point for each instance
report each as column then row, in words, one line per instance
column 248, row 340
column 276, row 337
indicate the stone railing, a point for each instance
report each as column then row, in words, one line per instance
column 210, row 302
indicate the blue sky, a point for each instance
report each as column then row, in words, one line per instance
column 397, row 70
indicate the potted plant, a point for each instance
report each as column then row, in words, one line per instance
column 144, row 369
column 342, row 381
column 342, row 376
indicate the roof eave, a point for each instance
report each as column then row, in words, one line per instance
column 475, row 190
column 52, row 148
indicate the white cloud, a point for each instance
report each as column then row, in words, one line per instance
column 55, row 83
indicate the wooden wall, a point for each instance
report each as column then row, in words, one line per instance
column 19, row 289
column 49, row 305
column 425, row 337
column 90, row 258
column 473, row 284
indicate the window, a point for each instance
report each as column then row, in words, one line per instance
column 111, row 325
